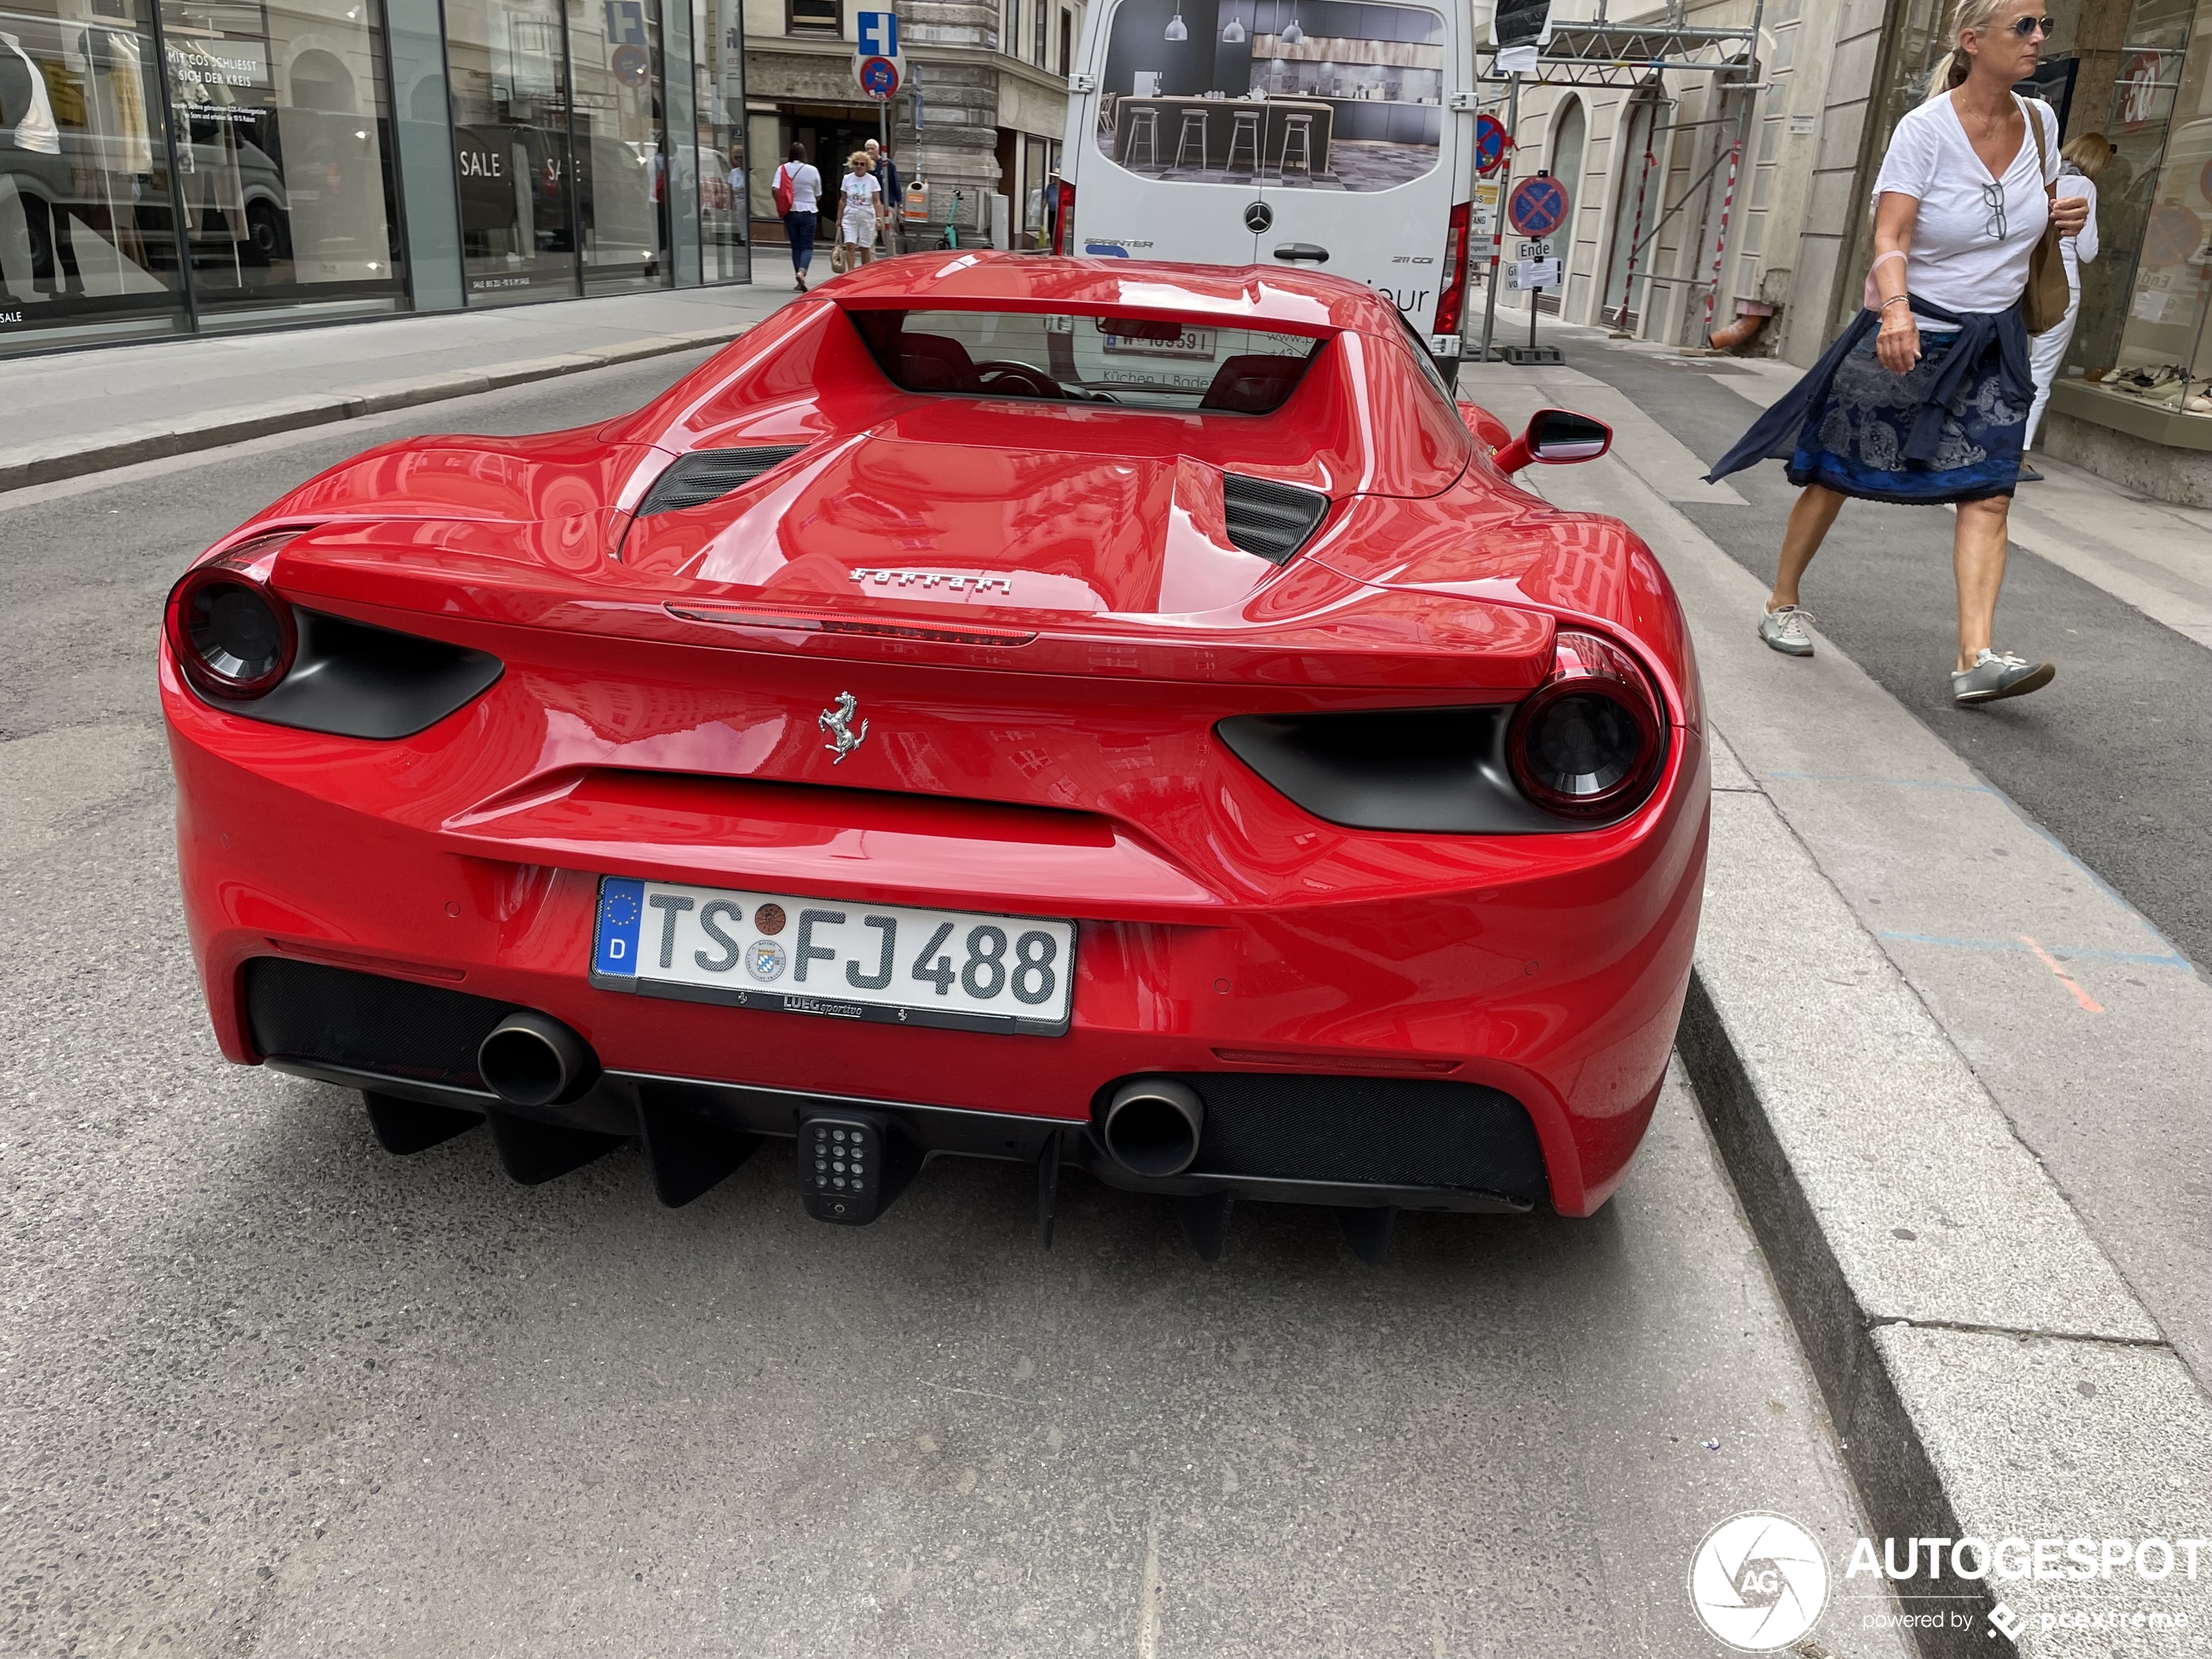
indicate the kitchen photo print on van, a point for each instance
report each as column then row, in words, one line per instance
column 1331, row 94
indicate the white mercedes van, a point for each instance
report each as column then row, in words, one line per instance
column 1321, row 133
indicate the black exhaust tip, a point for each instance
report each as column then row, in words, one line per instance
column 1153, row 1124
column 533, row 1060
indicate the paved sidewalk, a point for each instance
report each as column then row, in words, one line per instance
column 78, row 412
column 1958, row 1077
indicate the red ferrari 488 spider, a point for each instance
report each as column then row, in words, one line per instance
column 1035, row 709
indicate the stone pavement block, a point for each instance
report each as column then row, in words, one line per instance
column 40, row 463
column 536, row 368
column 380, row 395
column 1932, row 1210
column 2035, row 1439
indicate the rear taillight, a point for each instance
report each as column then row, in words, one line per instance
column 1451, row 295
column 1063, row 220
column 233, row 636
column 1589, row 741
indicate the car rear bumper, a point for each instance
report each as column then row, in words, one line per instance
column 1555, row 989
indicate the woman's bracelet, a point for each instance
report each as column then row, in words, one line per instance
column 1895, row 299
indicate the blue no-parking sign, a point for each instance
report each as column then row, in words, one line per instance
column 1489, row 143
column 879, row 77
column 1537, row 206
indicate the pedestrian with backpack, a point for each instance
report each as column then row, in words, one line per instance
column 798, row 192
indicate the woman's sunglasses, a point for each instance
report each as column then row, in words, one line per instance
column 2026, row 28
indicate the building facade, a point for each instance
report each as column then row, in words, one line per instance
column 170, row 167
column 1703, row 200
column 979, row 122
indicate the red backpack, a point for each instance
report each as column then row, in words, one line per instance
column 783, row 190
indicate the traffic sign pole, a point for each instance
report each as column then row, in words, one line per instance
column 1497, row 223
column 1539, row 205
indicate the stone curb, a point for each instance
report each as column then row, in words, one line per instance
column 1966, row 1399
column 128, row 446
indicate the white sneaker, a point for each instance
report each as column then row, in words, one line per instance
column 1786, row 628
column 1993, row 677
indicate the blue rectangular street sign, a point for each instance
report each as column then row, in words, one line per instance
column 876, row 34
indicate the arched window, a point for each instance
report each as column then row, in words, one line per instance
column 1563, row 160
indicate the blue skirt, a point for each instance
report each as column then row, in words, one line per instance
column 1854, row 443
column 1947, row 430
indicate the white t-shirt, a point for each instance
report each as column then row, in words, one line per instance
column 1956, row 258
column 861, row 192
column 806, row 187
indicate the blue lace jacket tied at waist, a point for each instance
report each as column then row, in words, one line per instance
column 1989, row 345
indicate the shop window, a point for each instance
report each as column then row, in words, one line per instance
column 2141, row 331
column 509, row 80
column 285, row 184
column 716, row 160
column 88, row 236
column 1032, row 203
column 622, row 173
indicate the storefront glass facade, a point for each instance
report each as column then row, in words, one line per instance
column 168, row 165
column 718, row 155
column 2141, row 336
column 2138, row 73
column 88, row 218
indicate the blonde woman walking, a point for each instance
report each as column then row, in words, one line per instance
column 1924, row 397
column 2080, row 164
column 856, row 210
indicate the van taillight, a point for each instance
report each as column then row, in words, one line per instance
column 1063, row 221
column 1453, row 293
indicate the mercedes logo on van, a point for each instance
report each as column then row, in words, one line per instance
column 1258, row 216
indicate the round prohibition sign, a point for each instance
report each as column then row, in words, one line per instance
column 1537, row 206
column 1489, row 143
column 879, row 77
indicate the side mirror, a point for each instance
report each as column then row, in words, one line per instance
column 1555, row 436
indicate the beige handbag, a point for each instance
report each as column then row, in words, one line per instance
column 2043, row 305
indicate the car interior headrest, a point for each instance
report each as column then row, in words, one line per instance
column 1254, row 384
column 935, row 363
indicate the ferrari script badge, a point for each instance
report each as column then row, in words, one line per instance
column 837, row 720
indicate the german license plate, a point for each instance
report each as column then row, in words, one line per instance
column 1191, row 343
column 831, row 957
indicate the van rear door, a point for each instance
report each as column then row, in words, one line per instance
column 1314, row 133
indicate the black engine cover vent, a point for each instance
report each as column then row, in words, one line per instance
column 706, row 475
column 1270, row 519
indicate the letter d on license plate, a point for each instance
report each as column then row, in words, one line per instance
column 835, row 958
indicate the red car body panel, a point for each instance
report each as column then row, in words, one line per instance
column 1048, row 751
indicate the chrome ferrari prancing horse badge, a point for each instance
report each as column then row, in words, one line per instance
column 838, row 722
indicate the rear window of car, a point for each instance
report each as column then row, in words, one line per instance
column 1138, row 362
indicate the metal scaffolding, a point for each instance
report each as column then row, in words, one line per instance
column 1603, row 53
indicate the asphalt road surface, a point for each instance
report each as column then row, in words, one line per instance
column 269, row 1391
